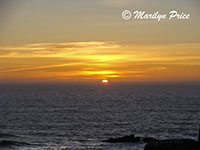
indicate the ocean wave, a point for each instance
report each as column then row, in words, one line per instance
column 7, row 143
column 7, row 135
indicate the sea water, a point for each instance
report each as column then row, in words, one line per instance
column 71, row 116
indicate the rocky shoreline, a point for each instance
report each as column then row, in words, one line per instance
column 173, row 144
column 156, row 144
column 131, row 139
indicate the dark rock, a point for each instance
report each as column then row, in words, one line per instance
column 173, row 144
column 149, row 139
column 129, row 138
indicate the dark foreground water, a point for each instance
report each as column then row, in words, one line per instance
column 79, row 117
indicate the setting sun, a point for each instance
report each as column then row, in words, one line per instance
column 104, row 81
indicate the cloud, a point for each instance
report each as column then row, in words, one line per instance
column 98, row 60
column 54, row 49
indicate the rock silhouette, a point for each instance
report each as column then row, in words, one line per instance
column 155, row 144
column 130, row 138
column 173, row 144
column 149, row 139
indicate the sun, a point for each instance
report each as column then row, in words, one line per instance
column 104, row 81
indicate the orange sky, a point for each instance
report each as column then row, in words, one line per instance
column 91, row 42
column 92, row 61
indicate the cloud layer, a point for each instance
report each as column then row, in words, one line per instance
column 83, row 61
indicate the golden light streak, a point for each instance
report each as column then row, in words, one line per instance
column 100, row 60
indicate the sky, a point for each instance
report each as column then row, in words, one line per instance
column 88, row 41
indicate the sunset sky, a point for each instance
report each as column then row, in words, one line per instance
column 88, row 40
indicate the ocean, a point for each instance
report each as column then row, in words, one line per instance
column 79, row 116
